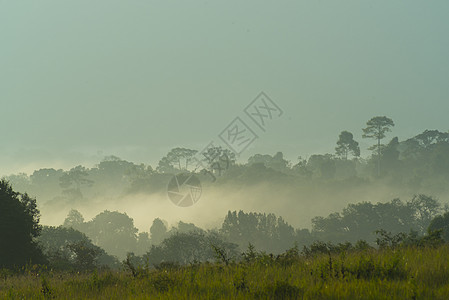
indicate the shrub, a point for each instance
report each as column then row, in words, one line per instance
column 162, row 282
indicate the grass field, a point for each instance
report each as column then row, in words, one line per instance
column 404, row 273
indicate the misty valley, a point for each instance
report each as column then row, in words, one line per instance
column 224, row 149
column 328, row 219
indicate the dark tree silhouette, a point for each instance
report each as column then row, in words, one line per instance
column 70, row 249
column 264, row 231
column 376, row 129
column 276, row 162
column 431, row 137
column 185, row 248
column 19, row 226
column 111, row 230
column 176, row 160
column 215, row 160
column 86, row 254
column 360, row 220
column 346, row 145
column 441, row 222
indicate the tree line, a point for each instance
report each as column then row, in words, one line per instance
column 418, row 164
column 111, row 236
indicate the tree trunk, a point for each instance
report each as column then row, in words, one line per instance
column 378, row 157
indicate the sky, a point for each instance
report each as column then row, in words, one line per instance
column 80, row 80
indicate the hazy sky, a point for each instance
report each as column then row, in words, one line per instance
column 83, row 79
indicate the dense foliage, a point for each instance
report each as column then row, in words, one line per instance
column 19, row 226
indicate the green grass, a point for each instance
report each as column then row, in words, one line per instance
column 404, row 273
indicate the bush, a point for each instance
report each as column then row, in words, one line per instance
column 386, row 268
column 162, row 282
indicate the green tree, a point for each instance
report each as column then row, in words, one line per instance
column 217, row 159
column 139, row 177
column 276, row 162
column 346, row 145
column 360, row 220
column 301, row 168
column 185, row 248
column 186, row 228
column 431, row 137
column 390, row 158
column 143, row 243
column 46, row 182
column 377, row 128
column 426, row 208
column 112, row 174
column 20, row 182
column 69, row 249
column 113, row 231
column 19, row 227
column 74, row 219
column 265, row 231
column 158, row 231
column 176, row 160
column 441, row 222
column 86, row 255
column 72, row 181
column 322, row 166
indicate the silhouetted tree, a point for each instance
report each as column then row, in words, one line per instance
column 265, row 231
column 177, row 159
column 360, row 220
column 72, row 181
column 376, row 129
column 301, row 168
column 55, row 238
column 276, row 162
column 113, row 231
column 69, row 249
column 217, row 159
column 86, row 255
column 20, row 182
column 140, row 178
column 74, row 219
column 143, row 243
column 19, row 226
column 185, row 248
column 425, row 208
column 431, row 137
column 158, row 231
column 113, row 173
column 441, row 222
column 45, row 183
column 346, row 145
column 186, row 228
column 390, row 157
column 322, row 166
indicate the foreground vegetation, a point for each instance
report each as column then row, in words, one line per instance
column 407, row 272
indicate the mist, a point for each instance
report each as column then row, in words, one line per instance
column 141, row 140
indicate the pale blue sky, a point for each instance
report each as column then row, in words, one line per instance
column 84, row 79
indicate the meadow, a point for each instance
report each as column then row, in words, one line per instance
column 401, row 273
